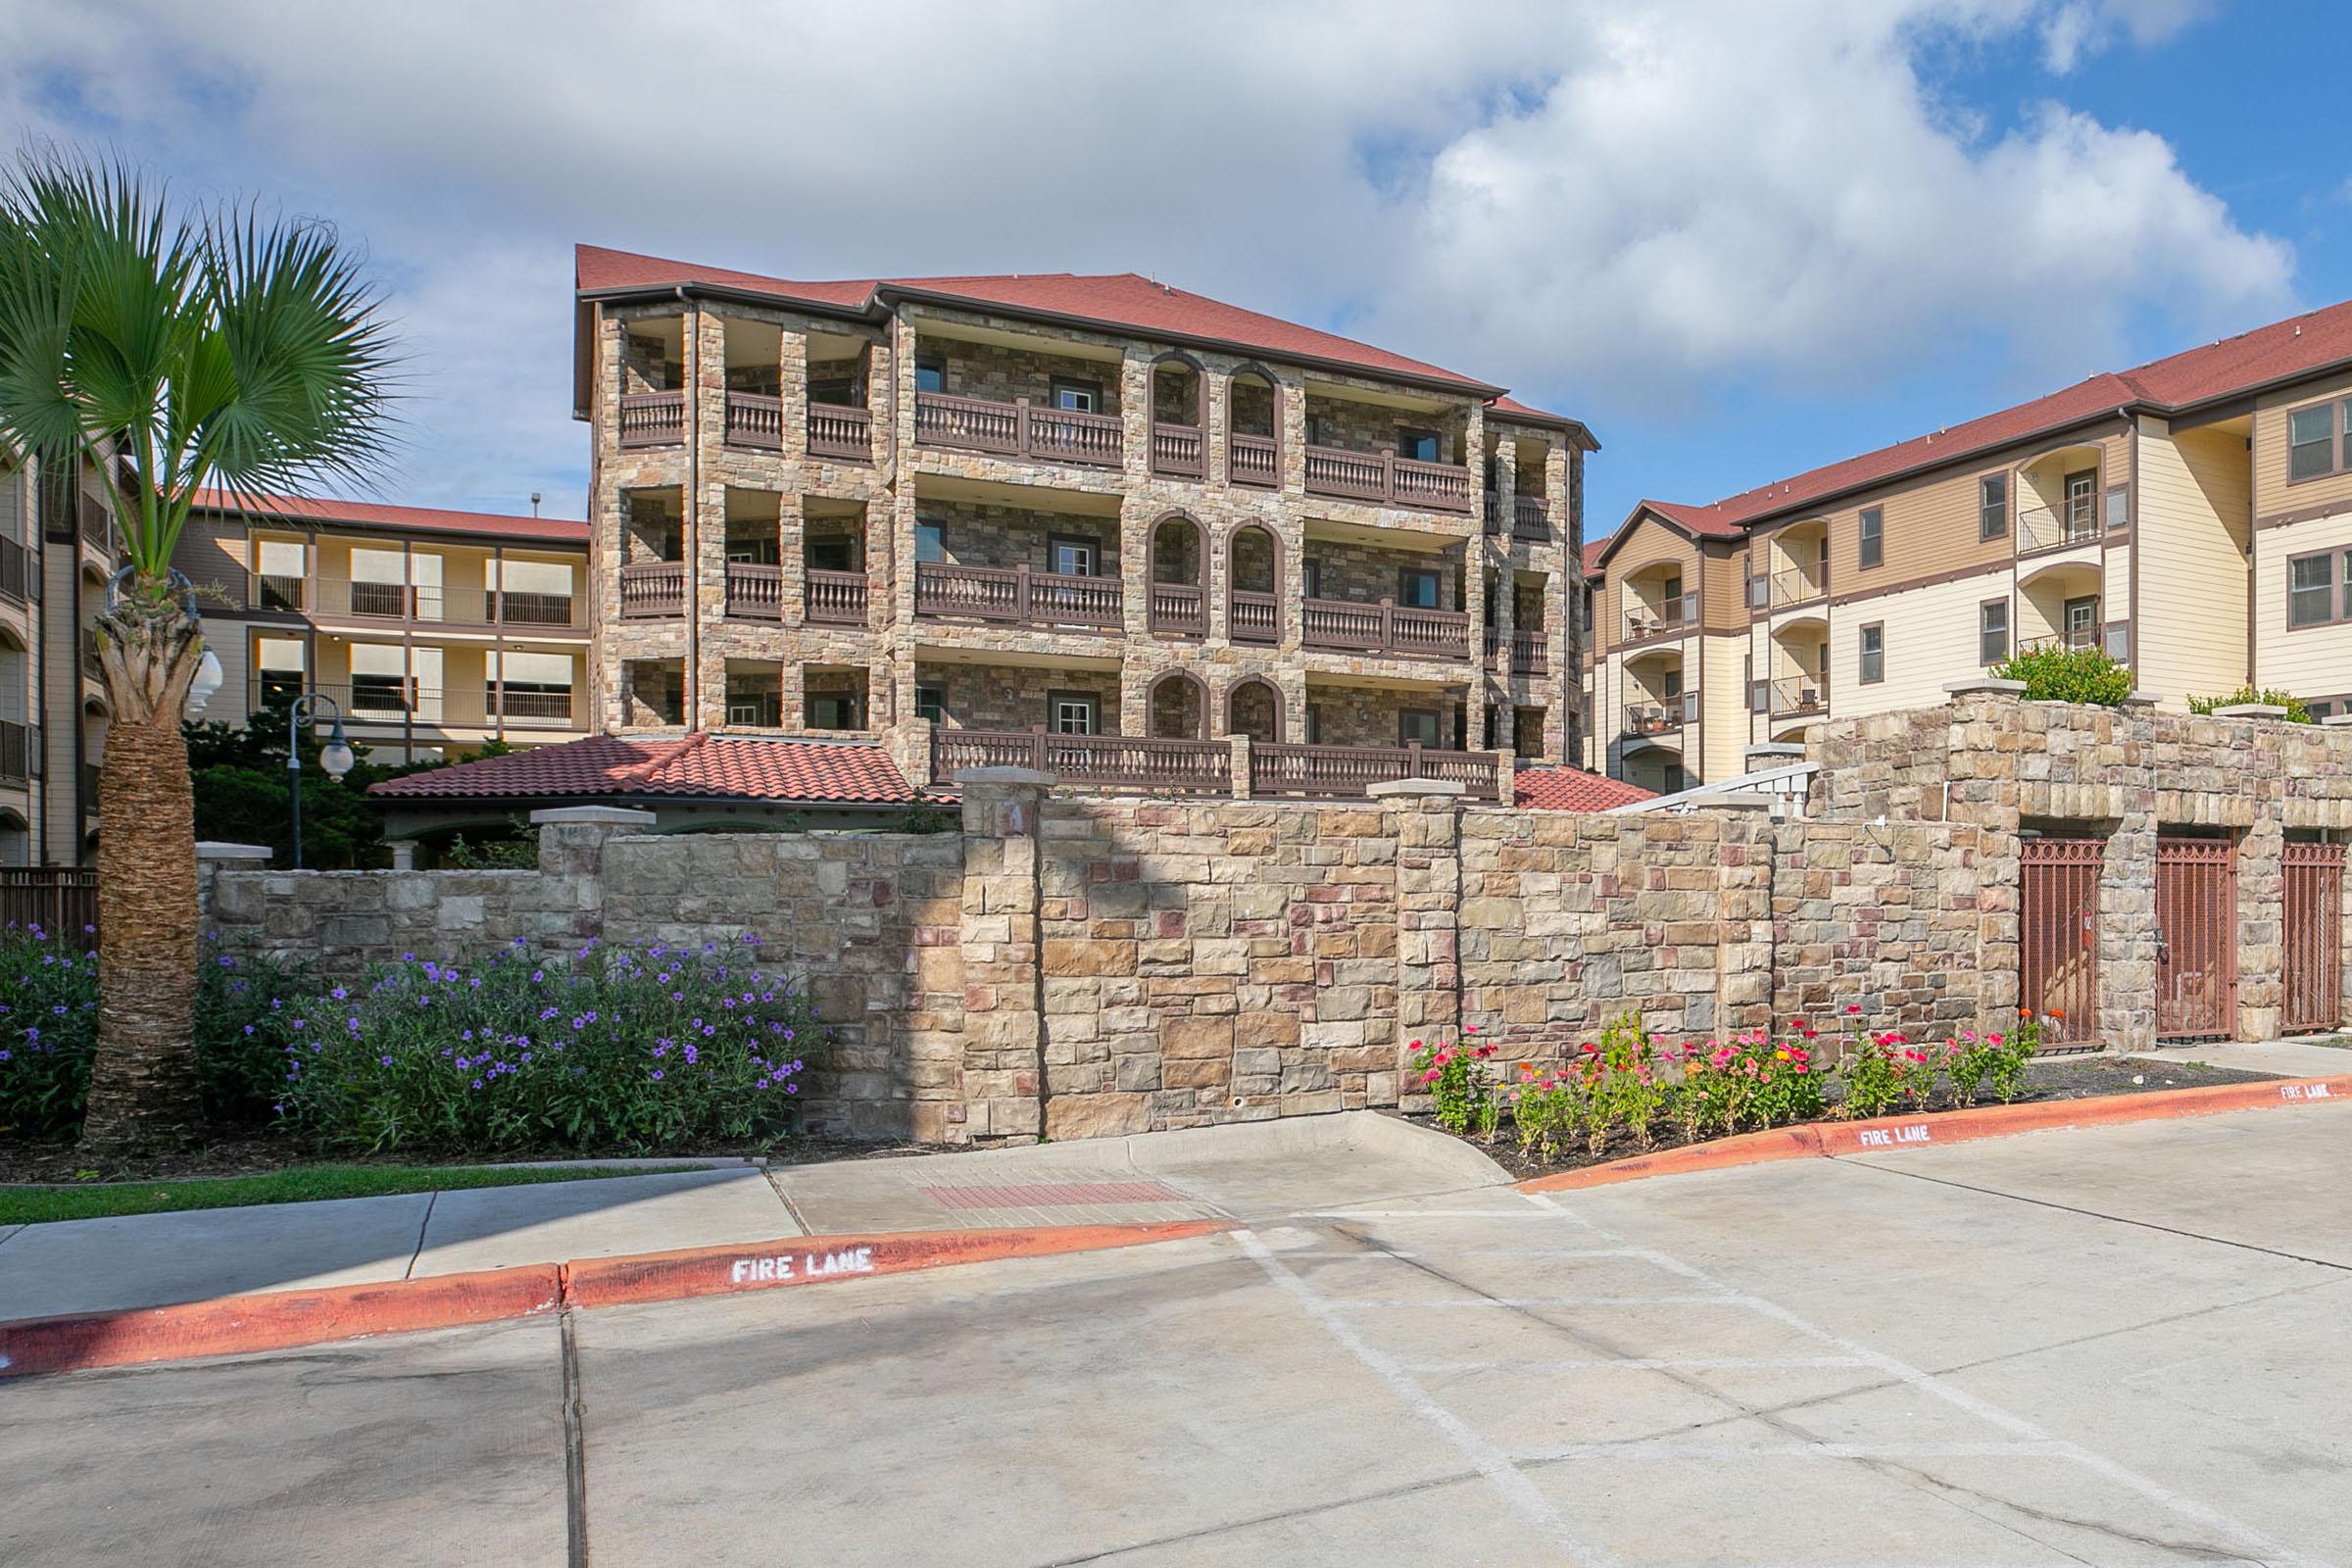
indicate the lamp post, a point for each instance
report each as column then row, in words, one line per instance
column 335, row 755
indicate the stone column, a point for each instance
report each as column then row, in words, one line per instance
column 1745, row 960
column 1003, row 1037
column 213, row 857
column 571, row 863
column 2261, row 916
column 1429, row 903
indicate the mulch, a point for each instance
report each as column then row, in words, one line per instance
column 2058, row 1078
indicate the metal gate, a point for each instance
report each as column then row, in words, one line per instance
column 2197, row 939
column 2058, row 970
column 2314, row 935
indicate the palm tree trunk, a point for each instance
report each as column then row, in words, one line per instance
column 143, row 1081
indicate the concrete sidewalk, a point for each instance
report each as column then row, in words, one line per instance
column 1248, row 1170
column 2289, row 1059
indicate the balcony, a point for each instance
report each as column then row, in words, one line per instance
column 1530, row 520
column 1791, row 588
column 1671, row 618
column 1531, row 651
column 754, row 420
column 754, row 592
column 653, row 590
column 1179, row 609
column 425, row 604
column 1205, row 767
column 1384, row 478
column 1795, row 696
column 1018, row 595
column 1254, row 617
column 2073, row 520
column 1661, row 718
column 398, row 700
column 1385, row 628
column 1345, row 773
column 1017, row 429
column 839, row 431
column 652, row 418
column 2114, row 636
column 1255, row 461
column 836, row 598
column 1178, row 452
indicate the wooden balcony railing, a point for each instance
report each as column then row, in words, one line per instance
column 652, row 418
column 1016, row 595
column 838, row 431
column 1178, row 452
column 1661, row 718
column 1016, row 429
column 1386, row 479
column 1530, row 652
column 1179, row 608
column 1385, row 628
column 1530, row 520
column 755, row 421
column 1115, row 762
column 1344, row 772
column 16, row 751
column 653, row 590
column 837, row 598
column 1254, row 460
column 754, row 592
column 14, row 569
column 2072, row 521
column 1254, row 617
column 1800, row 694
column 1673, row 617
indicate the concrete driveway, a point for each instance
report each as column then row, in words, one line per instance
column 2125, row 1345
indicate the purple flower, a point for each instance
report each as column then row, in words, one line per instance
column 657, row 1076
column 338, row 993
column 386, row 1061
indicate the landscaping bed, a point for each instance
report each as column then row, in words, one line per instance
column 2054, row 1078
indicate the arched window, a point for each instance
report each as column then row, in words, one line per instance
column 1178, row 708
column 1253, row 572
column 1254, row 708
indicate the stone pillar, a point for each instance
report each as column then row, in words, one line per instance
column 403, row 854
column 1428, row 903
column 1241, row 766
column 1003, row 1038
column 213, row 857
column 571, row 861
column 1744, row 860
column 2128, row 936
column 2261, row 916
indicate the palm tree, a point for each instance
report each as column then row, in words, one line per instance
column 169, row 351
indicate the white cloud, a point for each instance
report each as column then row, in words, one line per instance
column 1625, row 203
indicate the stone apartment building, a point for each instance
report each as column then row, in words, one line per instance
column 2192, row 516
column 1160, row 535
column 432, row 632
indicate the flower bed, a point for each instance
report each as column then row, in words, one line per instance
column 1626, row 1094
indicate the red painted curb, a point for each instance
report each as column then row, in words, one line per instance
column 274, row 1320
column 1880, row 1135
column 818, row 1259
column 278, row 1320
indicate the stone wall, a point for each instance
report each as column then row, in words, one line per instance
column 973, row 534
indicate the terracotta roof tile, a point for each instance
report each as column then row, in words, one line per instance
column 1114, row 299
column 376, row 515
column 701, row 766
column 1573, row 789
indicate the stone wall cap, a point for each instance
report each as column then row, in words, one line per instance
column 1984, row 686
column 1725, row 801
column 1005, row 776
column 1772, row 751
column 2141, row 700
column 2336, row 722
column 2251, row 711
column 1390, row 789
column 216, row 850
column 609, row 815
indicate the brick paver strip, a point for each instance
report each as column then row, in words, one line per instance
column 1886, row 1134
column 1052, row 1195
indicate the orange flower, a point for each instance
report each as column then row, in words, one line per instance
column 2057, row 1012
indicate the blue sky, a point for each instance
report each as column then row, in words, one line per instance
column 1737, row 239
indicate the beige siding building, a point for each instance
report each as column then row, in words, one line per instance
column 2193, row 517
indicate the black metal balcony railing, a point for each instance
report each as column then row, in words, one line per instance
column 1661, row 716
column 337, row 599
column 2073, row 520
column 1800, row 694
column 1659, row 618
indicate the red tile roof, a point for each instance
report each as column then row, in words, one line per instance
column 2300, row 346
column 697, row 766
column 1593, row 553
column 1573, row 789
column 314, row 510
column 1115, row 299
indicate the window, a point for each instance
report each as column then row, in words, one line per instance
column 1874, row 536
column 1759, row 695
column 1874, row 652
column 1992, row 631
column 1677, row 778
column 2311, row 441
column 930, row 372
column 2082, row 622
column 1314, row 725
column 835, row 711
column 1672, row 681
column 1071, row 713
column 1318, row 430
column 837, row 552
column 929, row 543
column 1073, row 396
column 1417, row 726
column 1419, row 445
column 1588, row 610
column 1417, row 587
column 1310, row 578
column 2119, row 507
column 1071, row 556
column 931, row 703
column 2312, row 595
column 1993, row 505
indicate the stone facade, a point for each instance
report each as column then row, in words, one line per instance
column 673, row 500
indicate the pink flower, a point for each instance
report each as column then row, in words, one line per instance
column 1853, row 1007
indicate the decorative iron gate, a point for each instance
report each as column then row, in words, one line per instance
column 2313, row 936
column 2197, row 939
column 2058, row 970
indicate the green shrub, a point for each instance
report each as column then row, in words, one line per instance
column 2057, row 674
column 49, row 1031
column 614, row 1050
column 1461, row 1091
column 2296, row 713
